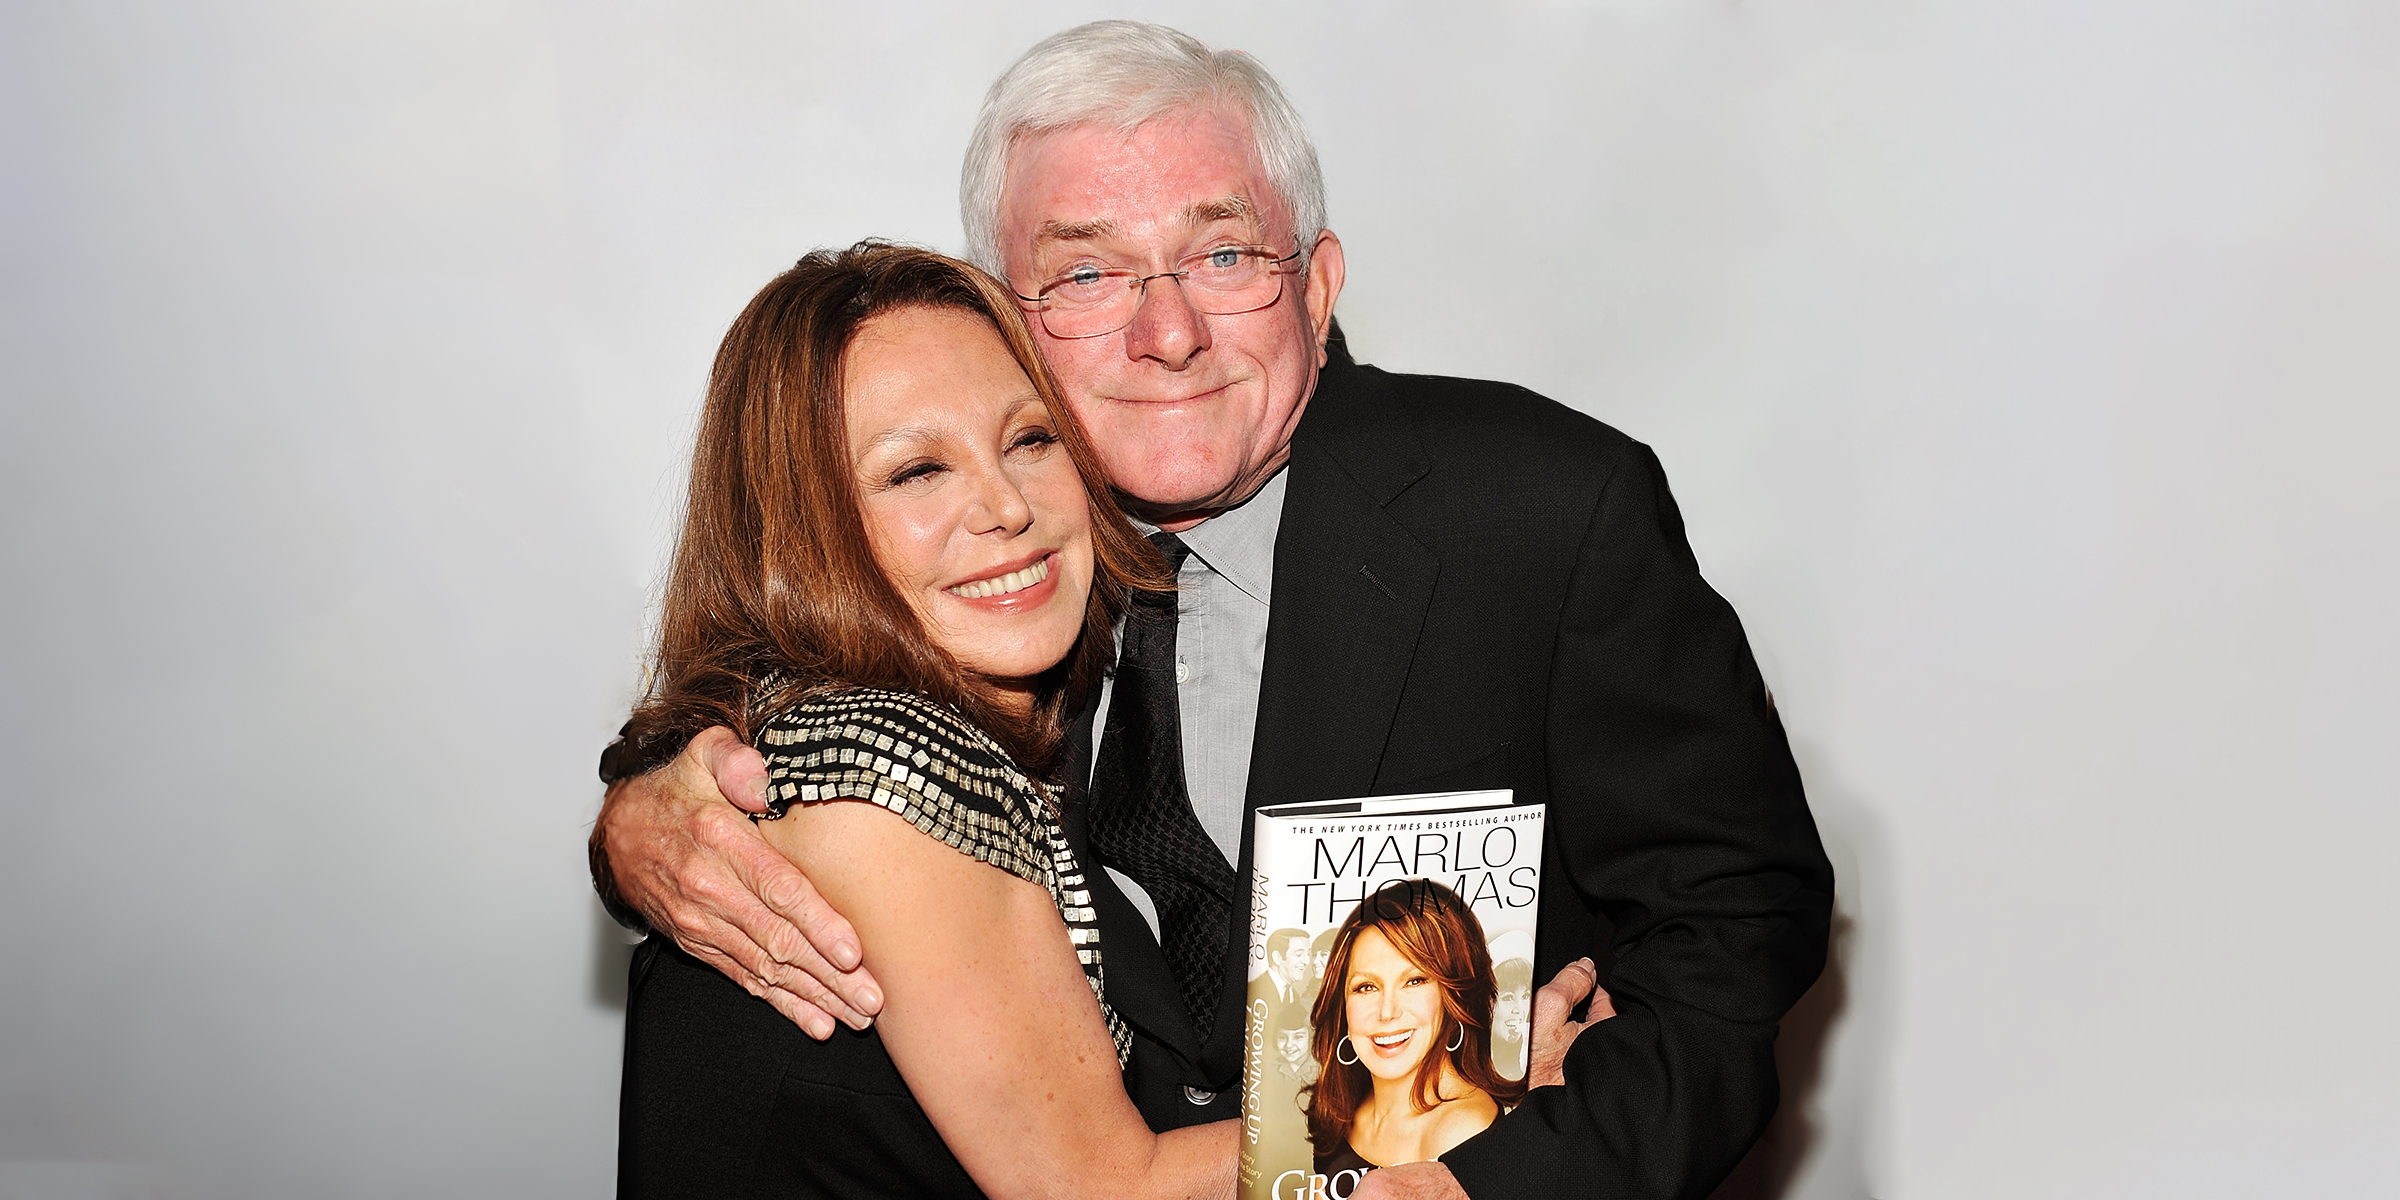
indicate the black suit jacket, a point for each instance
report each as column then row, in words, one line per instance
column 1477, row 587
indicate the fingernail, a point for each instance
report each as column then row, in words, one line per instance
column 870, row 999
column 758, row 792
column 845, row 955
column 820, row 1029
column 860, row 1023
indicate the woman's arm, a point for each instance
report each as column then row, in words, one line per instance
column 988, row 1016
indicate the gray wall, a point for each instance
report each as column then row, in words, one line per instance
column 2027, row 372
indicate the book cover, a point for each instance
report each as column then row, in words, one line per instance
column 1391, row 980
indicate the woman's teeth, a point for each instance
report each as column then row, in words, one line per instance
column 1389, row 1040
column 1014, row 581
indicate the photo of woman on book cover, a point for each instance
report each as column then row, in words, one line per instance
column 1512, row 1013
column 1403, row 1034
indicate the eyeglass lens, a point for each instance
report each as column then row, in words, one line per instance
column 1220, row 283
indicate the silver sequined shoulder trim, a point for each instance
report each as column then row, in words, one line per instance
column 953, row 782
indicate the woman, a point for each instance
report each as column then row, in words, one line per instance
column 1403, row 1034
column 1512, row 1015
column 899, row 568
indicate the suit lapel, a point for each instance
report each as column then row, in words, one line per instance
column 1351, row 590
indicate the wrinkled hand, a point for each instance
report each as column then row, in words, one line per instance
column 1409, row 1181
column 696, row 869
column 1553, row 1033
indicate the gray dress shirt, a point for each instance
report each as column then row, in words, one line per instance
column 1220, row 652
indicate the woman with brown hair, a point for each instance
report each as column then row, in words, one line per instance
column 1403, row 1034
column 899, row 568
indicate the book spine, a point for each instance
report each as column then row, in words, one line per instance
column 1252, row 1183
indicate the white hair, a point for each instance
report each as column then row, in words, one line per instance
column 1120, row 74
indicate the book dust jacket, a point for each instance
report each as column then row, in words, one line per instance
column 1389, row 1009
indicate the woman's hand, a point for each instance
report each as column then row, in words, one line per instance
column 1553, row 1033
column 675, row 846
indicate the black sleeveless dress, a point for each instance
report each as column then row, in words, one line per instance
column 723, row 1097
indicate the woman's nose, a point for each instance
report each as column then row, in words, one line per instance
column 1000, row 506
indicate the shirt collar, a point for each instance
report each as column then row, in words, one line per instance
column 1239, row 543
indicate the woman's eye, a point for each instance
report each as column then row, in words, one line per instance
column 1361, row 988
column 1414, row 980
column 913, row 472
column 1033, row 438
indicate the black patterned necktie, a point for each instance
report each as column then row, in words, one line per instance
column 1141, row 816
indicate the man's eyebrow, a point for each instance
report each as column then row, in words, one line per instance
column 1236, row 207
column 1073, row 231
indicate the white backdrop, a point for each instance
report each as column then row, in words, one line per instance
column 2028, row 373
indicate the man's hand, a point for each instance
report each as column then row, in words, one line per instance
column 1409, row 1181
column 696, row 869
column 1553, row 1033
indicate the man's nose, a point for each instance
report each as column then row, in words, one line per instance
column 1165, row 326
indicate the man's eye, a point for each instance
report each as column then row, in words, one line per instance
column 1225, row 258
column 1082, row 276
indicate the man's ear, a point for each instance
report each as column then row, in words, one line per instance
column 1324, row 287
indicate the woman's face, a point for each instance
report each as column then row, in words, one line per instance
column 1395, row 1008
column 1513, row 1014
column 973, row 506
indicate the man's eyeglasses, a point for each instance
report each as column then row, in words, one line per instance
column 1089, row 301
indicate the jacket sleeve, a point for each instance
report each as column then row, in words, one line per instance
column 1679, row 812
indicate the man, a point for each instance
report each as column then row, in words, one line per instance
column 1288, row 965
column 1389, row 584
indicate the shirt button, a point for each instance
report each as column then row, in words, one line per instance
column 1183, row 671
column 1196, row 1096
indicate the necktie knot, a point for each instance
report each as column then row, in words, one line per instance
column 1173, row 548
column 1175, row 552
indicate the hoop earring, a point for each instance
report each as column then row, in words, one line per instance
column 1342, row 1045
column 1458, row 1037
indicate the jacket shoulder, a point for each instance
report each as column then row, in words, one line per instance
column 1485, row 425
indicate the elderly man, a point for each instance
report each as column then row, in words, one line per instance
column 1388, row 584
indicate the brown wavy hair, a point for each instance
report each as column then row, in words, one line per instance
column 1435, row 930
column 775, row 592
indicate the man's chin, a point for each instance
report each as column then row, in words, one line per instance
column 1192, row 500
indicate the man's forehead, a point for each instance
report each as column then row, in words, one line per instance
column 1172, row 175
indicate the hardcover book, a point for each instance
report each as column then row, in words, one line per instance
column 1391, row 979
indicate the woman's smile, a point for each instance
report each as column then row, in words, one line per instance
column 1012, row 586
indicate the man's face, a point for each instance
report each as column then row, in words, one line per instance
column 1290, row 962
column 1190, row 412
